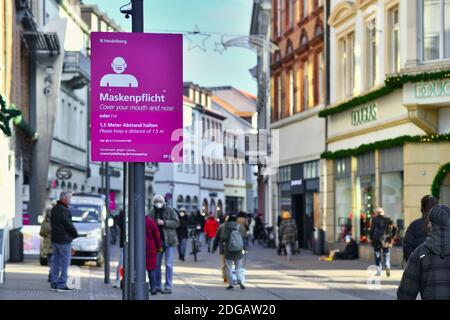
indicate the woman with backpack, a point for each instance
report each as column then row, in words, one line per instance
column 233, row 243
column 382, row 235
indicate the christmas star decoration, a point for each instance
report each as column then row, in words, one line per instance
column 220, row 48
column 195, row 37
column 6, row 115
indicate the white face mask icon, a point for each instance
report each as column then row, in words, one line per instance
column 119, row 78
column 119, row 65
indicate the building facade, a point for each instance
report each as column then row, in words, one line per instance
column 261, row 25
column 298, row 84
column 197, row 183
column 239, row 110
column 180, row 183
column 388, row 118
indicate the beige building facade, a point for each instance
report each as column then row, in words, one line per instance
column 388, row 141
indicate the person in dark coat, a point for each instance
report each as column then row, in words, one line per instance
column 382, row 234
column 153, row 245
column 288, row 233
column 62, row 234
column 418, row 230
column 428, row 269
column 350, row 252
column 167, row 221
column 182, row 233
column 120, row 223
column 218, row 244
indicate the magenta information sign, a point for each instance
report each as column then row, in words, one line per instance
column 136, row 97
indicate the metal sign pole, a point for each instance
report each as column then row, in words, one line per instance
column 130, row 260
column 107, row 235
column 124, row 229
column 141, row 287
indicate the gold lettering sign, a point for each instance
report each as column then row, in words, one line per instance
column 434, row 89
column 364, row 115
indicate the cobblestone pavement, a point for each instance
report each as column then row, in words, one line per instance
column 268, row 277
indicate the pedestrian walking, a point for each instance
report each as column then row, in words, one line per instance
column 258, row 228
column 288, row 232
column 120, row 225
column 153, row 246
column 428, row 269
column 46, row 232
column 62, row 233
column 418, row 230
column 182, row 234
column 382, row 234
column 243, row 221
column 167, row 221
column 233, row 241
column 197, row 222
column 218, row 244
column 211, row 227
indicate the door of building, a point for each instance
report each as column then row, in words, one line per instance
column 298, row 213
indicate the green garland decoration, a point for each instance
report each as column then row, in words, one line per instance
column 385, row 144
column 6, row 115
column 439, row 179
column 391, row 84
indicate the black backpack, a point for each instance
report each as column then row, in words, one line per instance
column 379, row 230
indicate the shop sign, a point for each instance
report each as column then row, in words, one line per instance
column 296, row 183
column 432, row 89
column 364, row 115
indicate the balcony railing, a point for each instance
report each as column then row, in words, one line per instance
column 77, row 69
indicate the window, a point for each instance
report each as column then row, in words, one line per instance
column 305, row 8
column 279, row 8
column 204, row 168
column 192, row 162
column 347, row 47
column 311, row 170
column 291, row 92
column 321, row 75
column 372, row 53
column 436, row 29
column 343, row 207
column 395, row 40
column 305, row 86
column 279, row 97
column 290, row 13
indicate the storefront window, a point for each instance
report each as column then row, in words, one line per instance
column 391, row 168
column 343, row 208
column 366, row 192
column 392, row 200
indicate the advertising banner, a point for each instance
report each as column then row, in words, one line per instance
column 136, row 97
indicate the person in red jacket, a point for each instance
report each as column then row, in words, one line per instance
column 153, row 245
column 211, row 227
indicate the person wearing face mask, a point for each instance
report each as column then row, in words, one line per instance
column 167, row 221
column 182, row 233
